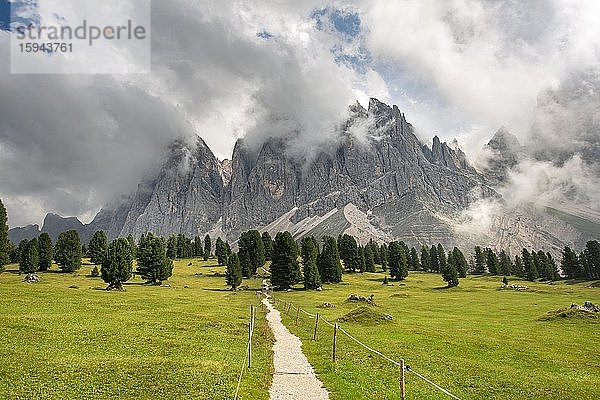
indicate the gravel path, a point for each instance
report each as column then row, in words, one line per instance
column 294, row 377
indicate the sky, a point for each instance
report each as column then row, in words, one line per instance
column 223, row 70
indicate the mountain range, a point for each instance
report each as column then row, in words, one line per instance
column 382, row 184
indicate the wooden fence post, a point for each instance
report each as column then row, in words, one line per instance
column 335, row 329
column 402, row 383
column 249, row 345
column 316, row 326
column 297, row 315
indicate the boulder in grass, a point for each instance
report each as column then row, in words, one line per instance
column 31, row 278
column 73, row 287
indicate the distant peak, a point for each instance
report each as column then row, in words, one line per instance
column 503, row 139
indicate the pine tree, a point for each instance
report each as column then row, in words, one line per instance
column 251, row 247
column 172, row 247
column 441, row 253
column 207, row 247
column 570, row 264
column 97, row 247
column 376, row 252
column 413, row 260
column 30, row 258
column 398, row 262
column 233, row 272
column 310, row 252
column 328, row 261
column 425, row 259
column 45, row 251
column 460, row 262
column 529, row 267
column 132, row 244
column 245, row 265
column 553, row 269
column 491, row 261
column 349, row 252
column 434, row 260
column 284, row 266
column 505, row 265
column 198, row 247
column 67, row 252
column 117, row 264
column 449, row 271
column 361, row 258
column 384, row 257
column 4, row 242
column 221, row 252
column 479, row 261
column 21, row 249
column 268, row 245
column 518, row 267
column 369, row 258
column 153, row 264
column 592, row 251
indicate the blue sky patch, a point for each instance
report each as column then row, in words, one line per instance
column 264, row 35
column 344, row 22
column 4, row 15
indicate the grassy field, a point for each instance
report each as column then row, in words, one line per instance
column 186, row 340
column 474, row 340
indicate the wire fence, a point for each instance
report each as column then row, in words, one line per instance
column 247, row 363
column 287, row 306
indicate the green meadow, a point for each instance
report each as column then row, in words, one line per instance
column 185, row 340
column 474, row 340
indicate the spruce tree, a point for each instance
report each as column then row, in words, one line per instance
column 413, row 260
column 268, row 245
column 233, row 272
column 529, row 267
column 198, row 247
column 361, row 258
column 4, row 242
column 251, row 247
column 153, row 264
column 328, row 261
column 172, row 247
column 45, row 251
column 491, row 261
column 397, row 261
column 132, row 244
column 441, row 254
column 30, row 257
column 480, row 261
column 570, row 264
column 434, row 260
column 245, row 265
column 284, row 266
column 384, row 257
column 97, row 247
column 349, row 252
column 460, row 262
column 207, row 247
column 505, row 264
column 376, row 252
column 117, row 264
column 449, row 271
column 221, row 252
column 310, row 252
column 21, row 249
column 553, row 269
column 369, row 258
column 592, row 251
column 425, row 259
column 518, row 269
column 67, row 252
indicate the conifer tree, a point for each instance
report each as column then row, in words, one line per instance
column 328, row 261
column 284, row 266
column 369, row 258
column 449, row 272
column 592, row 252
column 570, row 264
column 518, row 267
column 441, row 254
column 349, row 252
column 198, row 247
column 30, row 257
column 505, row 264
column 553, row 269
column 460, row 262
column 434, row 260
column 97, row 247
column 529, row 267
column 491, row 261
column 397, row 261
column 252, row 249
column 413, row 260
column 21, row 249
column 117, row 264
column 172, row 247
column 221, row 252
column 67, row 252
column 233, row 272
column 361, row 258
column 245, row 265
column 268, row 245
column 153, row 264
column 376, row 252
column 310, row 252
column 384, row 257
column 45, row 251
column 480, row 261
column 4, row 242
column 425, row 259
column 207, row 247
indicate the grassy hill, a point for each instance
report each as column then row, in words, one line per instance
column 150, row 342
column 474, row 340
